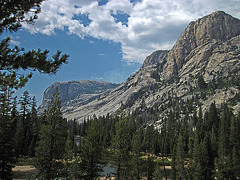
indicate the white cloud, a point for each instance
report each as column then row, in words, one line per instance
column 151, row 24
column 14, row 40
column 96, row 78
column 16, row 43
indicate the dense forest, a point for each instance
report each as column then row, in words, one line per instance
column 195, row 146
column 185, row 143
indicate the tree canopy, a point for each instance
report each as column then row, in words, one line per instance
column 13, row 14
column 14, row 61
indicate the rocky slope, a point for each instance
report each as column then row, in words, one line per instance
column 204, row 63
column 76, row 93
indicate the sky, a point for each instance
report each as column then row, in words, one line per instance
column 108, row 40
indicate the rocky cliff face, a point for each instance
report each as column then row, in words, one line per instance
column 76, row 93
column 208, row 50
column 218, row 27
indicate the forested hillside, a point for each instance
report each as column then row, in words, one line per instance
column 176, row 118
column 196, row 147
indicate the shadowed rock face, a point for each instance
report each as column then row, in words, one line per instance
column 76, row 93
column 209, row 47
column 217, row 26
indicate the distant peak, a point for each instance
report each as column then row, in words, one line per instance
column 215, row 26
column 156, row 57
column 82, row 82
column 219, row 13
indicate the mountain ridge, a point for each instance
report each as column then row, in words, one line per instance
column 204, row 63
column 76, row 93
column 216, row 26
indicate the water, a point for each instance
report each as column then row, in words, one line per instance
column 108, row 170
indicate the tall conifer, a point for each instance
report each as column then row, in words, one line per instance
column 121, row 146
column 51, row 147
column 136, row 157
column 180, row 158
column 91, row 152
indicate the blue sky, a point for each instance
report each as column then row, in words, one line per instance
column 90, row 59
column 108, row 40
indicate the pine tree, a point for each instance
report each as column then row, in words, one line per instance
column 34, row 123
column 7, row 154
column 150, row 167
column 158, row 174
column 121, row 146
column 136, row 157
column 13, row 13
column 91, row 152
column 205, row 158
column 51, row 147
column 69, row 148
column 235, row 146
column 180, row 158
column 26, row 135
column 68, row 157
column 18, row 137
column 196, row 166
column 201, row 82
column 173, row 164
column 223, row 159
column 235, row 163
column 12, row 60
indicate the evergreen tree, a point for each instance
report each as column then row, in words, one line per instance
column 121, row 146
column 211, row 119
column 235, row 146
column 26, row 136
column 148, row 143
column 196, row 166
column 225, row 145
column 235, row 163
column 137, row 162
column 68, row 157
column 205, row 158
column 13, row 13
column 150, row 167
column 7, row 155
column 213, row 146
column 18, row 137
column 173, row 164
column 51, row 147
column 69, row 148
column 180, row 158
column 201, row 82
column 34, row 124
column 12, row 60
column 91, row 152
column 157, row 174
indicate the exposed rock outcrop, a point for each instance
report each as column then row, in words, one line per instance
column 156, row 57
column 208, row 48
column 217, row 26
column 76, row 93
